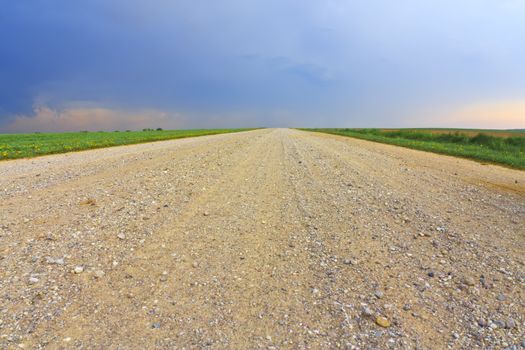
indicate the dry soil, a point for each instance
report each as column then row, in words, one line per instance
column 270, row 239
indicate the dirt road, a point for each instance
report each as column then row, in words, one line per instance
column 273, row 239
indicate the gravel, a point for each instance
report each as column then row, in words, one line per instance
column 274, row 239
column 78, row 269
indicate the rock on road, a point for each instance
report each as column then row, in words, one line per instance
column 273, row 239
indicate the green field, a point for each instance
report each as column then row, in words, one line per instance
column 493, row 146
column 14, row 146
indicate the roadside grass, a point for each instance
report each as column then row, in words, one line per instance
column 14, row 146
column 473, row 144
column 468, row 132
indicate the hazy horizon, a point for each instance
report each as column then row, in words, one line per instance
column 70, row 66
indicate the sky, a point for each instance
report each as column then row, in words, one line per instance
column 129, row 64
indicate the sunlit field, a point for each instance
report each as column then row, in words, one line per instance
column 502, row 147
column 31, row 145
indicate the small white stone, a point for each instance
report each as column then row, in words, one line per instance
column 99, row 274
column 78, row 269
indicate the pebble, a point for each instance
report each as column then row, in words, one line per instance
column 469, row 281
column 407, row 307
column 164, row 276
column 195, row 264
column 431, row 274
column 367, row 311
column 99, row 274
column 78, row 269
column 382, row 321
column 379, row 294
column 33, row 280
column 121, row 236
column 482, row 322
column 500, row 323
column 501, row 297
column 155, row 325
column 510, row 323
column 58, row 261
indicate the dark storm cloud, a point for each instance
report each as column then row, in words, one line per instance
column 273, row 63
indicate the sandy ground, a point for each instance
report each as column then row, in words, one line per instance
column 271, row 239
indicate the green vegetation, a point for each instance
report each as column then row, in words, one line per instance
column 479, row 145
column 31, row 145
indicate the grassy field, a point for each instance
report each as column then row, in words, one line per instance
column 494, row 146
column 32, row 145
column 469, row 132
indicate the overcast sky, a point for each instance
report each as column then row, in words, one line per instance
column 129, row 64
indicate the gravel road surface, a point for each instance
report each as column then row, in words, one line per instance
column 267, row 239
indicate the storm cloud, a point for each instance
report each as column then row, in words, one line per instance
column 261, row 63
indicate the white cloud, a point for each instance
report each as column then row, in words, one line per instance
column 46, row 119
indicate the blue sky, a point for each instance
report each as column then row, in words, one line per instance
column 71, row 65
